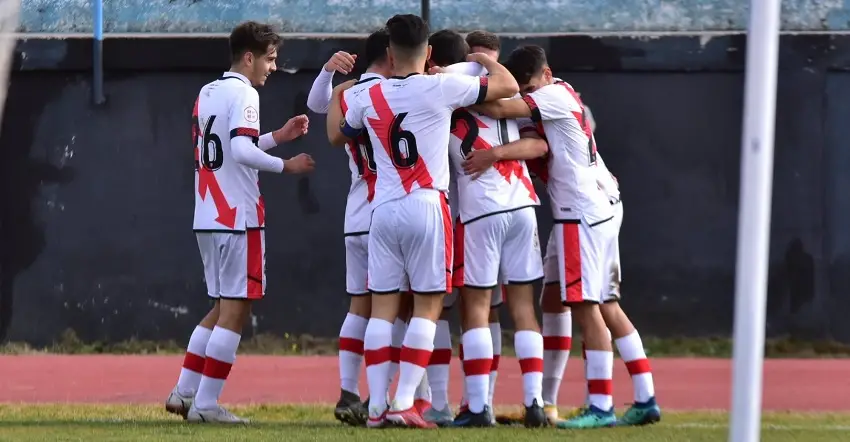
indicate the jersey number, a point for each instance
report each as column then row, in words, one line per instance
column 363, row 154
column 212, row 152
column 472, row 130
column 402, row 144
column 591, row 143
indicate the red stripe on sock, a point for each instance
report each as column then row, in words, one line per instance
column 557, row 343
column 600, row 386
column 638, row 366
column 441, row 356
column 475, row 367
column 495, row 365
column 415, row 356
column 216, row 369
column 351, row 344
column 377, row 356
column 395, row 354
column 531, row 365
column 193, row 362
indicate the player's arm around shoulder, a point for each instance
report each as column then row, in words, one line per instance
column 500, row 83
column 338, row 130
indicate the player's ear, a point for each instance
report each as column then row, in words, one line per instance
column 428, row 52
column 547, row 74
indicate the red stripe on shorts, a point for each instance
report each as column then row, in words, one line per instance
column 448, row 241
column 255, row 264
column 572, row 262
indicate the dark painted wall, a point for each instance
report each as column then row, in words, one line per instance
column 96, row 203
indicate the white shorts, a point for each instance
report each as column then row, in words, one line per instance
column 578, row 256
column 234, row 263
column 614, row 259
column 458, row 269
column 411, row 239
column 502, row 247
column 356, row 264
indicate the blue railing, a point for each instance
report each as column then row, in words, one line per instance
column 97, row 53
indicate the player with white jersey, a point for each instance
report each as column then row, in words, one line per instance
column 358, row 214
column 230, row 215
column 408, row 118
column 644, row 410
column 584, row 236
column 497, row 202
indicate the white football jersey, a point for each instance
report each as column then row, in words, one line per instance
column 408, row 120
column 505, row 186
column 361, row 162
column 227, row 194
column 572, row 170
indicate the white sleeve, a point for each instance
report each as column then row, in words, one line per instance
column 245, row 115
column 266, row 141
column 320, row 94
column 245, row 133
column 467, row 68
column 248, row 154
column 551, row 102
column 462, row 90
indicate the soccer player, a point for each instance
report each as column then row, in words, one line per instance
column 358, row 214
column 488, row 43
column 230, row 216
column 447, row 47
column 497, row 202
column 645, row 409
column 408, row 119
column 584, row 236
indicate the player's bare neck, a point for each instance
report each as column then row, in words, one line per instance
column 405, row 70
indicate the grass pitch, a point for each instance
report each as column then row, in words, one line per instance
column 95, row 423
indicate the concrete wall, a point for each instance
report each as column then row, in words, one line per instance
column 96, row 202
column 534, row 16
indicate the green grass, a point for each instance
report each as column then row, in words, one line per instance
column 267, row 344
column 95, row 423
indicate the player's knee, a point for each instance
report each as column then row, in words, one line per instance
column 386, row 307
column 616, row 319
column 361, row 306
column 476, row 307
column 428, row 306
column 233, row 314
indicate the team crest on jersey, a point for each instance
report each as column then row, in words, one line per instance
column 251, row 114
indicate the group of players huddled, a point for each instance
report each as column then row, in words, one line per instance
column 434, row 118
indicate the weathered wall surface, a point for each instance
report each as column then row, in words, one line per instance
column 96, row 203
column 534, row 16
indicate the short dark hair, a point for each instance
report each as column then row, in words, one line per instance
column 376, row 46
column 447, row 47
column 526, row 62
column 408, row 32
column 484, row 39
column 252, row 36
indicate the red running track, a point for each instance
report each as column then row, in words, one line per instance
column 682, row 384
